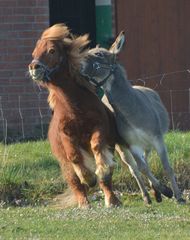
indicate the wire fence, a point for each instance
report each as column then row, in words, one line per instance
column 26, row 116
column 174, row 90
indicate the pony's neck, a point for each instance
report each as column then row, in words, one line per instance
column 120, row 92
column 68, row 90
column 62, row 90
column 118, row 80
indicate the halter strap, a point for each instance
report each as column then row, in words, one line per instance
column 47, row 71
column 97, row 66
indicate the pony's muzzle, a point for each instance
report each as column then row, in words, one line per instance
column 36, row 71
column 33, row 66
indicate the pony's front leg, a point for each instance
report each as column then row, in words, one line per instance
column 79, row 190
column 103, row 156
column 75, row 157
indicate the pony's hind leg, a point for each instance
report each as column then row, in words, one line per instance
column 104, row 164
column 128, row 159
column 157, row 194
column 138, row 154
column 162, row 152
column 110, row 198
column 85, row 169
column 103, row 157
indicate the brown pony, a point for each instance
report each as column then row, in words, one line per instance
column 81, row 129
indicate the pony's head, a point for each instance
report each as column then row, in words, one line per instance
column 56, row 49
column 100, row 62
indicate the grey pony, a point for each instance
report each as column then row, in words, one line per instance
column 141, row 117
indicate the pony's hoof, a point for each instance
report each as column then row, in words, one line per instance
column 147, row 200
column 181, row 201
column 157, row 195
column 166, row 191
column 113, row 202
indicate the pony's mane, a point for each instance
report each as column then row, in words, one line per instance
column 56, row 32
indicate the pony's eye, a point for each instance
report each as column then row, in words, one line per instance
column 51, row 51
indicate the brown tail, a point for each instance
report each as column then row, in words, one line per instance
column 65, row 200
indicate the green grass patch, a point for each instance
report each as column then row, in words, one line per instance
column 133, row 221
column 29, row 174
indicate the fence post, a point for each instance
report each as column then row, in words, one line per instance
column 171, row 110
column 103, row 22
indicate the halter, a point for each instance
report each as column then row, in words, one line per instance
column 46, row 70
column 96, row 66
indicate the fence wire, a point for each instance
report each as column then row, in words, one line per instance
column 31, row 113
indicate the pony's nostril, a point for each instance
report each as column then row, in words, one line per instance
column 36, row 66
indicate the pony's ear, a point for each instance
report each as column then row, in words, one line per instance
column 118, row 44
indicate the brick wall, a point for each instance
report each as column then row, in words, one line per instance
column 23, row 107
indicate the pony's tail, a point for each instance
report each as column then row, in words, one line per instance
column 65, row 200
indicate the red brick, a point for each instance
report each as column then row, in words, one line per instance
column 41, row 26
column 25, row 3
column 42, row 3
column 42, row 18
column 21, row 24
column 22, row 11
column 5, row 74
column 7, row 3
column 40, row 11
column 29, row 18
column 27, row 34
column 6, row 11
column 6, row 26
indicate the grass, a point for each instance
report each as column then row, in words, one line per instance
column 133, row 221
column 29, row 172
column 30, row 177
